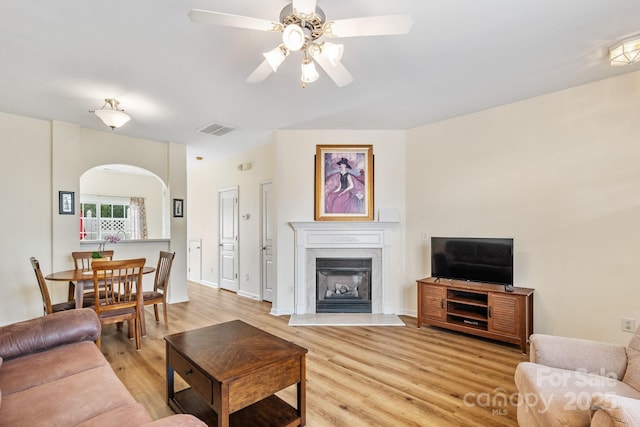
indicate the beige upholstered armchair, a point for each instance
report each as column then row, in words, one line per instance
column 576, row 382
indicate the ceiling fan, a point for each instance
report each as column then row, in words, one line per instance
column 303, row 24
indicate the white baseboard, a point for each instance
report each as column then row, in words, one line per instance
column 177, row 300
column 285, row 312
column 213, row 285
column 406, row 312
column 248, row 295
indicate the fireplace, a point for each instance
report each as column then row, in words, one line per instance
column 343, row 285
column 331, row 240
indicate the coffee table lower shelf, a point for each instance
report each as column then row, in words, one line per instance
column 269, row 412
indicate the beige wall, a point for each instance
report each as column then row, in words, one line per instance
column 558, row 173
column 206, row 178
column 289, row 163
column 41, row 158
column 25, row 171
column 294, row 198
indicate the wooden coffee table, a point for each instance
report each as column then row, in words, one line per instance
column 234, row 369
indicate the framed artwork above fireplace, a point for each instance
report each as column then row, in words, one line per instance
column 344, row 183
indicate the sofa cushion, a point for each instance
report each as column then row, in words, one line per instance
column 85, row 395
column 579, row 354
column 616, row 411
column 562, row 397
column 40, row 368
column 43, row 333
column 632, row 375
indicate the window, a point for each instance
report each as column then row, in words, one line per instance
column 103, row 216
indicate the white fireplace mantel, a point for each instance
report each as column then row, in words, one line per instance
column 340, row 236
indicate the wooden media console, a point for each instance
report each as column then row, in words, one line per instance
column 481, row 309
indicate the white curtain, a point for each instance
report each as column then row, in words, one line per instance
column 138, row 218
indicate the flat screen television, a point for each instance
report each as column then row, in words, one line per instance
column 487, row 260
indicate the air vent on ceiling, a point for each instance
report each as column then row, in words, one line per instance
column 216, row 129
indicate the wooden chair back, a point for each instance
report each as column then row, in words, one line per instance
column 83, row 259
column 160, row 285
column 120, row 283
column 163, row 271
column 44, row 290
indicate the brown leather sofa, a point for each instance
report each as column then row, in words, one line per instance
column 52, row 374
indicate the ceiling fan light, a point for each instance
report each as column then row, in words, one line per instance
column 625, row 53
column 113, row 116
column 293, row 37
column 309, row 72
column 304, row 9
column 332, row 52
column 276, row 56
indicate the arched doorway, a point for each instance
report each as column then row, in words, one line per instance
column 123, row 200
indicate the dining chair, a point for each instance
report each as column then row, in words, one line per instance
column 82, row 261
column 121, row 282
column 160, row 285
column 47, row 306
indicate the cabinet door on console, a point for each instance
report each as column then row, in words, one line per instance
column 504, row 313
column 433, row 302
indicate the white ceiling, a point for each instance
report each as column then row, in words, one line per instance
column 61, row 58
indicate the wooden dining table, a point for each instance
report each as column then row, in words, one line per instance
column 84, row 278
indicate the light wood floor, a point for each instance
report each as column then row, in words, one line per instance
column 356, row 376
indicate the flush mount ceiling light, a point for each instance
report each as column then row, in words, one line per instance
column 111, row 114
column 626, row 52
column 302, row 24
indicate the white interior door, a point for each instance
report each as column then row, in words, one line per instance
column 195, row 260
column 228, row 244
column 268, row 273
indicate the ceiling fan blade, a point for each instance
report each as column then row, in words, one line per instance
column 338, row 73
column 304, row 9
column 237, row 21
column 262, row 72
column 369, row 26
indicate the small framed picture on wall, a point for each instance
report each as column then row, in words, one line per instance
column 66, row 203
column 178, row 208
